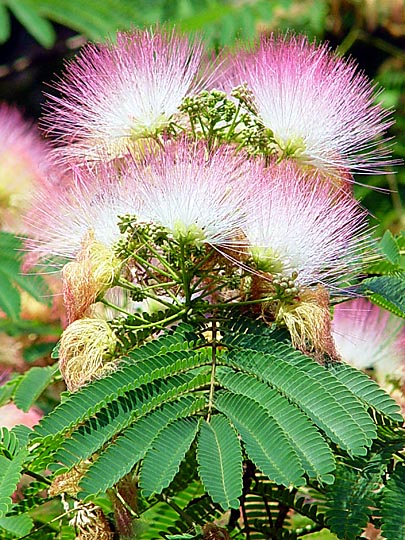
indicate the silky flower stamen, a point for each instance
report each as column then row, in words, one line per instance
column 367, row 336
column 94, row 272
column 117, row 93
column 300, row 224
column 196, row 195
column 318, row 107
column 309, row 323
column 85, row 351
column 93, row 201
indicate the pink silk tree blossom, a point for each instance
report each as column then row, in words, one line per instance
column 318, row 106
column 116, row 93
column 91, row 202
column 196, row 194
column 367, row 336
column 301, row 224
column 23, row 165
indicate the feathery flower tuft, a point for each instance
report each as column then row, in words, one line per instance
column 92, row 273
column 319, row 108
column 197, row 195
column 115, row 94
column 85, row 352
column 309, row 324
column 23, row 165
column 304, row 227
column 59, row 221
column 11, row 415
column 367, row 336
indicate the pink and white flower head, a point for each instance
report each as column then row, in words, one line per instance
column 60, row 220
column 197, row 195
column 11, row 416
column 23, row 165
column 302, row 225
column 367, row 336
column 319, row 107
column 116, row 93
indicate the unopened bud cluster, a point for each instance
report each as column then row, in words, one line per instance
column 285, row 286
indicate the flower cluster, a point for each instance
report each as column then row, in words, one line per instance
column 369, row 337
column 196, row 186
column 23, row 165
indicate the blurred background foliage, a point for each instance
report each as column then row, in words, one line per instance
column 37, row 36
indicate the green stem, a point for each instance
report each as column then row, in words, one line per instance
column 244, row 303
column 121, row 310
column 177, row 509
column 213, row 369
column 202, row 128
column 234, row 123
column 164, row 285
column 125, row 504
column 192, row 124
column 125, row 284
column 149, row 266
column 195, row 290
column 57, row 518
column 37, row 476
column 160, row 300
column 203, row 260
column 185, row 277
column 163, row 322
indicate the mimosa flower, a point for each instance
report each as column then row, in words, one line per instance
column 23, row 164
column 197, row 195
column 117, row 93
column 318, row 106
column 308, row 320
column 11, row 415
column 368, row 336
column 301, row 226
column 60, row 220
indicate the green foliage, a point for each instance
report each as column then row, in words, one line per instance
column 314, row 452
column 221, row 21
column 29, row 16
column 131, row 445
column 367, row 390
column 9, row 296
column 352, row 500
column 10, row 474
column 7, row 390
column 393, row 507
column 264, row 441
column 387, row 292
column 285, row 408
column 392, row 255
column 391, row 248
column 18, row 526
column 323, row 398
column 12, row 281
column 31, row 386
column 262, row 401
column 172, row 442
column 208, row 427
column 220, row 462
